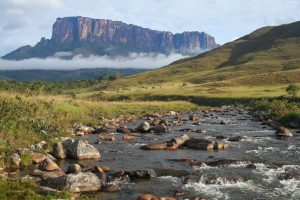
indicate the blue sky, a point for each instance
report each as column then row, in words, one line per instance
column 24, row 22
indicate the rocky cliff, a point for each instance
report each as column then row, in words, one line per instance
column 87, row 36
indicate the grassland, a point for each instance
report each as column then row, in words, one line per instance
column 25, row 118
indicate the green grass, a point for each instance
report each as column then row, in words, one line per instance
column 270, row 55
column 25, row 191
column 25, row 117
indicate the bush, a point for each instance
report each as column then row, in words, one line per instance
column 292, row 90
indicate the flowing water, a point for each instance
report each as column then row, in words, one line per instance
column 272, row 157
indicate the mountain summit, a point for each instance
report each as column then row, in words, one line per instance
column 87, row 36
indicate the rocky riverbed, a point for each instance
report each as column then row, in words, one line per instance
column 221, row 153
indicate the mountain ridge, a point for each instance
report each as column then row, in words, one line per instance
column 88, row 36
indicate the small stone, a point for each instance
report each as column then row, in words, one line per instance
column 59, row 151
column 251, row 166
column 111, row 187
column 147, row 197
column 74, row 168
column 37, row 158
column 79, row 133
column 15, row 160
column 48, row 165
column 128, row 137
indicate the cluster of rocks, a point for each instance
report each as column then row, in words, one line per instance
column 184, row 141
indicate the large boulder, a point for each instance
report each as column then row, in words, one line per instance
column 81, row 149
column 81, row 182
column 161, row 128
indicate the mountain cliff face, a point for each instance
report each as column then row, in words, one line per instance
column 87, row 36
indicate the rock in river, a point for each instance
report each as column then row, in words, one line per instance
column 81, row 149
column 200, row 144
column 48, row 165
column 283, row 132
column 81, row 182
column 143, row 127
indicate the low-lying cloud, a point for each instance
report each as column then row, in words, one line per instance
column 134, row 60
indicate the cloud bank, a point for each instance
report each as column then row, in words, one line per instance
column 134, row 60
column 24, row 22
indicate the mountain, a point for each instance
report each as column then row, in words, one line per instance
column 270, row 55
column 87, row 36
column 64, row 75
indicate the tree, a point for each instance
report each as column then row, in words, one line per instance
column 292, row 90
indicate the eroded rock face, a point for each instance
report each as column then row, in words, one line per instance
column 81, row 182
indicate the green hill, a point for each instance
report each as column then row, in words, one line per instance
column 270, row 55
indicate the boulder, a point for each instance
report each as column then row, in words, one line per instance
column 161, row 128
column 200, row 144
column 81, row 182
column 85, row 129
column 47, row 174
column 37, row 158
column 48, row 165
column 74, row 168
column 107, row 137
column 39, row 146
column 128, row 137
column 81, row 149
column 143, row 127
column 59, row 151
column 181, row 140
column 123, row 130
column 15, row 160
column 283, row 132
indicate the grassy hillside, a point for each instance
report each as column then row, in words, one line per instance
column 268, row 55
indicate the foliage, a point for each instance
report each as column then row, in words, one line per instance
column 293, row 90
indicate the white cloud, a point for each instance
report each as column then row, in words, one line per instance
column 135, row 60
column 26, row 21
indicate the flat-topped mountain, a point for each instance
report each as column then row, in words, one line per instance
column 87, row 36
